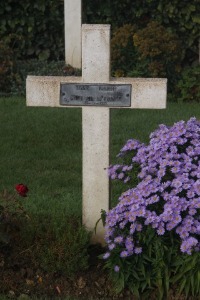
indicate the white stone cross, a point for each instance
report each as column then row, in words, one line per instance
column 73, row 16
column 146, row 93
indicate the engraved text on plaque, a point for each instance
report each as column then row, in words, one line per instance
column 79, row 94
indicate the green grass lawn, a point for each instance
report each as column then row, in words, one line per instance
column 42, row 148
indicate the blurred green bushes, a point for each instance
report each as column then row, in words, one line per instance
column 39, row 24
column 38, row 27
column 179, row 16
column 152, row 51
column 189, row 84
column 150, row 38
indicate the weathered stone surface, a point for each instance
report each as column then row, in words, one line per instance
column 73, row 12
column 96, row 53
column 95, row 162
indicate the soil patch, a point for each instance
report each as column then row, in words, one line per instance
column 21, row 277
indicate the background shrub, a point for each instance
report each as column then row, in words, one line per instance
column 40, row 24
column 123, row 54
column 152, row 51
column 160, row 48
column 37, row 30
column 180, row 17
column 6, row 67
column 188, row 85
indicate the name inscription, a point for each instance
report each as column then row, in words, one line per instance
column 79, row 94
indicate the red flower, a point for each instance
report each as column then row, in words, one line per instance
column 21, row 189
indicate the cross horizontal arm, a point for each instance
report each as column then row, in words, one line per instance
column 146, row 92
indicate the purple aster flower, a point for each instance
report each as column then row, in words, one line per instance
column 160, row 230
column 127, row 179
column 197, row 187
column 129, row 244
column 124, row 254
column 116, row 268
column 188, row 244
column 119, row 240
column 138, row 250
column 138, row 227
column 113, row 176
column 192, row 211
column 190, row 194
column 106, row 255
column 111, row 246
column 121, row 175
column 175, row 169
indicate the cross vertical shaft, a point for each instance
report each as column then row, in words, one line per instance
column 95, row 127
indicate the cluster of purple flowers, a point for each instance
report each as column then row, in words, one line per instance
column 167, row 197
column 122, row 171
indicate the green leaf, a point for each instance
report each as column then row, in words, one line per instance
column 44, row 55
column 198, row 282
column 192, row 284
column 142, row 268
column 196, row 19
column 30, row 28
column 143, row 286
column 166, row 280
column 182, row 286
column 192, row 7
column 136, row 292
column 135, row 275
column 187, row 288
column 177, row 277
column 147, row 258
column 177, row 263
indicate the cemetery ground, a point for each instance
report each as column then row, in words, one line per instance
column 48, row 254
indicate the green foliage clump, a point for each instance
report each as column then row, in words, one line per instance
column 149, row 52
column 40, row 25
column 6, row 66
column 158, row 272
column 180, row 17
column 189, row 85
column 122, row 51
column 160, row 49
